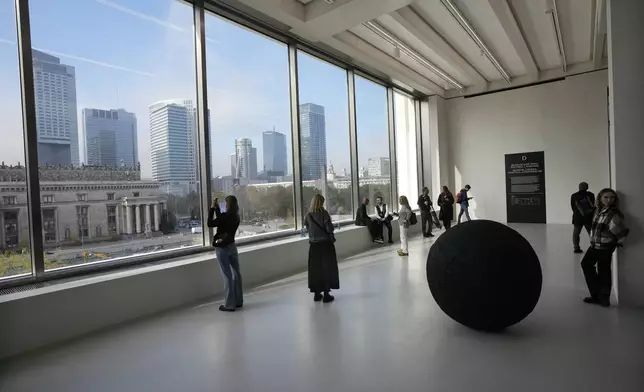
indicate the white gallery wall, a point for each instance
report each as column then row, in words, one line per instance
column 568, row 120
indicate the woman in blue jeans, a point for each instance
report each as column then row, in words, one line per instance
column 224, row 242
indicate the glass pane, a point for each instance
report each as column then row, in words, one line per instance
column 14, row 217
column 373, row 143
column 324, row 135
column 406, row 158
column 251, row 149
column 115, row 106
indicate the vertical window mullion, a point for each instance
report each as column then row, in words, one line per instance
column 30, row 136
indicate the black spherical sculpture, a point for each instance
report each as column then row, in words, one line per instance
column 484, row 275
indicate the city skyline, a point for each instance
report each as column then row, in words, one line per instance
column 150, row 57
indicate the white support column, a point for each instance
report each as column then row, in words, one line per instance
column 438, row 146
column 128, row 219
column 148, row 221
column 137, row 217
column 626, row 83
column 157, row 217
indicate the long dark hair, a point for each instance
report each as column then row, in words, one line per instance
column 233, row 205
column 447, row 192
column 600, row 205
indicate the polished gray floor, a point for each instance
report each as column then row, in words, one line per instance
column 383, row 333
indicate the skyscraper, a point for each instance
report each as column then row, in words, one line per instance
column 245, row 159
column 110, row 137
column 313, row 141
column 378, row 167
column 173, row 143
column 275, row 158
column 56, row 122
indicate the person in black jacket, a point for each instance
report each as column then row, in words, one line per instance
column 363, row 219
column 384, row 219
column 425, row 205
column 446, row 203
column 583, row 208
column 227, row 224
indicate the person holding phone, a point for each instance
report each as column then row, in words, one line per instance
column 223, row 241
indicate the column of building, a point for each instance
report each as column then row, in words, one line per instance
column 138, row 224
column 626, row 81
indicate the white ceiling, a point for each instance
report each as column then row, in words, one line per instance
column 519, row 35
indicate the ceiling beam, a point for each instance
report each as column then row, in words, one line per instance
column 415, row 24
column 323, row 20
column 362, row 59
column 524, row 80
column 599, row 32
column 383, row 60
column 474, row 36
column 506, row 18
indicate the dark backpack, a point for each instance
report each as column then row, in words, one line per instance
column 412, row 219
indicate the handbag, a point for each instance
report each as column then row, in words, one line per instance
column 331, row 235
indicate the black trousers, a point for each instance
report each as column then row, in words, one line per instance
column 386, row 224
column 426, row 221
column 374, row 230
column 447, row 223
column 577, row 231
column 596, row 265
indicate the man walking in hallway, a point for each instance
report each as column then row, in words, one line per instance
column 583, row 207
column 464, row 200
column 425, row 205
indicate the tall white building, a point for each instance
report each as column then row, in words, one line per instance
column 245, row 160
column 110, row 137
column 378, row 167
column 56, row 121
column 173, row 150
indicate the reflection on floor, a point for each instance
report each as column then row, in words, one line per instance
column 383, row 333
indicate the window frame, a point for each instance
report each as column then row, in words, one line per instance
column 294, row 44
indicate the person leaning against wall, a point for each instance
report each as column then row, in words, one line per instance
column 583, row 208
column 227, row 224
column 323, row 261
column 607, row 233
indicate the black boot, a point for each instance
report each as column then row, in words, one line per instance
column 328, row 298
column 317, row 297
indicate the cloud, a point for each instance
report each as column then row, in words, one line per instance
column 85, row 59
column 96, row 62
column 141, row 15
column 150, row 18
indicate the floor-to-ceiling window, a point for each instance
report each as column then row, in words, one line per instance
column 406, row 153
column 373, row 142
column 324, row 135
column 251, row 148
column 115, row 94
column 15, row 257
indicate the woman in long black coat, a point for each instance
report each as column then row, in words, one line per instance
column 446, row 203
column 323, row 261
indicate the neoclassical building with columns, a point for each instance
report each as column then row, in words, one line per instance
column 80, row 205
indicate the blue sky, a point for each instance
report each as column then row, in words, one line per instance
column 131, row 53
